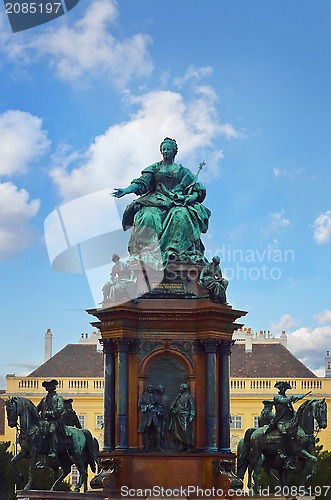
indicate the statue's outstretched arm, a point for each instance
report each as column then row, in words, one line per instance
column 119, row 192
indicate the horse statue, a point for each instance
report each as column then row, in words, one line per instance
column 260, row 449
column 77, row 447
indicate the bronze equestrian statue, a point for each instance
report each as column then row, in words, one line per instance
column 289, row 437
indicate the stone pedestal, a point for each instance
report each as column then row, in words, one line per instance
column 61, row 495
column 173, row 334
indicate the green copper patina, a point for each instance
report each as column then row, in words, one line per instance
column 168, row 216
column 282, row 439
column 44, row 434
column 211, row 278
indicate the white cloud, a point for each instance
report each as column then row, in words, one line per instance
column 288, row 173
column 119, row 155
column 230, row 132
column 16, row 211
column 286, row 322
column 310, row 345
column 22, row 140
column 322, row 228
column 84, row 48
column 324, row 316
column 193, row 73
column 276, row 224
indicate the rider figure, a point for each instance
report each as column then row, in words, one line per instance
column 266, row 416
column 69, row 416
column 283, row 417
column 51, row 408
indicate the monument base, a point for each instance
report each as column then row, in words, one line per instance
column 190, row 475
column 61, row 495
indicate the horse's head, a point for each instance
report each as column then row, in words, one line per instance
column 320, row 413
column 23, row 408
column 12, row 411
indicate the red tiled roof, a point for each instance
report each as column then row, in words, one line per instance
column 267, row 361
column 74, row 360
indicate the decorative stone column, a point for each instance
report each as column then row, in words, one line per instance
column 109, row 348
column 123, row 393
column 210, row 400
column 224, row 396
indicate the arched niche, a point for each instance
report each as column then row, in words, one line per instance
column 169, row 368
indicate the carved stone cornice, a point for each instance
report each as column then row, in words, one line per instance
column 225, row 347
column 210, row 345
column 108, row 346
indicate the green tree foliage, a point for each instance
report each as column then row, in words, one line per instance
column 322, row 478
column 43, row 478
column 7, row 482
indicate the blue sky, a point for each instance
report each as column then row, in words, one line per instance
column 86, row 100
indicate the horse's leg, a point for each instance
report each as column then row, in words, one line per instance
column 82, row 469
column 283, row 476
column 258, row 464
column 82, row 477
column 32, row 468
column 65, row 464
column 77, row 452
column 85, row 479
column 56, row 473
column 305, row 456
column 249, row 477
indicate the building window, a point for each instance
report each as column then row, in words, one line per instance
column 99, row 422
column 255, row 422
column 81, row 418
column 74, row 475
column 236, row 422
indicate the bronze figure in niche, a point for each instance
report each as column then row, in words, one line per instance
column 150, row 422
column 182, row 414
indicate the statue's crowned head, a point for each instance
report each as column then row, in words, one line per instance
column 170, row 141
